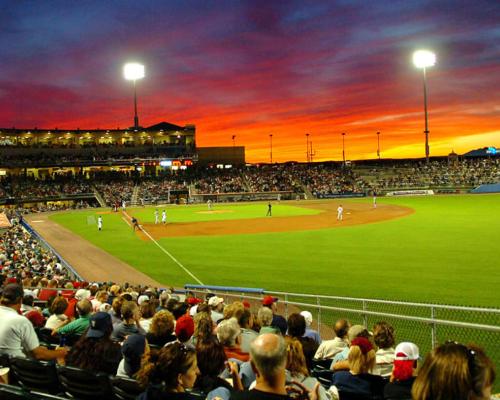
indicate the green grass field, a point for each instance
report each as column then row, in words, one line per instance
column 446, row 252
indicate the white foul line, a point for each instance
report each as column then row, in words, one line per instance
column 172, row 257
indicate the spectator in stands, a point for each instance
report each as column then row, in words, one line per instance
column 130, row 322
column 403, row 372
column 184, row 329
column 455, row 371
column 265, row 317
column 296, row 329
column 311, row 333
column 329, row 348
column 57, row 317
column 133, row 348
column 212, row 362
column 161, row 329
column 79, row 325
column 95, row 350
column 247, row 334
column 203, row 327
column 383, row 336
column 358, row 380
column 278, row 321
column 17, row 335
column 217, row 306
column 116, row 310
column 147, row 310
column 296, row 367
column 169, row 373
column 268, row 359
column 340, row 361
column 229, row 335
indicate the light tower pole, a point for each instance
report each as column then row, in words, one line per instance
column 307, row 147
column 132, row 72
column 271, row 147
column 423, row 59
column 378, row 145
column 343, row 148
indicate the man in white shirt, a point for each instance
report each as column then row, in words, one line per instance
column 17, row 335
column 340, row 213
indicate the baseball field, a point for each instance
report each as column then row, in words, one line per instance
column 442, row 249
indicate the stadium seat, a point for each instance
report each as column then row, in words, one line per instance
column 354, row 396
column 9, row 392
column 36, row 375
column 125, row 388
column 83, row 384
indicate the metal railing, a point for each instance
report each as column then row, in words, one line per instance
column 427, row 325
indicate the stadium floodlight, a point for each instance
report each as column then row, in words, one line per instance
column 424, row 59
column 133, row 72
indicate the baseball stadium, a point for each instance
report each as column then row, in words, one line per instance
column 409, row 242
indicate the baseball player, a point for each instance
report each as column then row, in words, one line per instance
column 99, row 223
column 209, row 204
column 157, row 217
column 269, row 210
column 374, row 200
column 163, row 217
column 340, row 213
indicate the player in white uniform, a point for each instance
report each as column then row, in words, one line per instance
column 209, row 204
column 124, row 205
column 374, row 200
column 340, row 213
column 163, row 217
column 157, row 217
column 99, row 223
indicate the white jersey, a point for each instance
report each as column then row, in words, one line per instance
column 157, row 217
column 99, row 223
column 340, row 213
column 164, row 216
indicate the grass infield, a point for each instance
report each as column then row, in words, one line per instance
column 445, row 252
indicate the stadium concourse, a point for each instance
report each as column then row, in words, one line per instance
column 120, row 341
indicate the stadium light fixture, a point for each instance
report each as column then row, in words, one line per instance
column 424, row 59
column 343, row 148
column 133, row 72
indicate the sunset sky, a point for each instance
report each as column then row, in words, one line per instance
column 255, row 68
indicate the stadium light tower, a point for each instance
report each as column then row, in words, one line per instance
column 424, row 59
column 271, row 147
column 132, row 72
column 307, row 147
column 343, row 147
column 378, row 145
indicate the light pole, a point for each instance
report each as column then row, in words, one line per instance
column 271, row 147
column 343, row 148
column 307, row 147
column 378, row 145
column 423, row 59
column 234, row 140
column 132, row 72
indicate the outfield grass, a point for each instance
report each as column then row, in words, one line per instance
column 446, row 252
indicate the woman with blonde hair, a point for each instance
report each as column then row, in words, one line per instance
column 455, row 371
column 296, row 368
column 359, row 380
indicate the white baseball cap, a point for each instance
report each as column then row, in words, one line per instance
column 214, row 301
column 406, row 351
column 308, row 317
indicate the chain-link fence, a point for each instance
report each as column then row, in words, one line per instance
column 426, row 325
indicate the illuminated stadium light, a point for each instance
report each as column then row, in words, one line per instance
column 423, row 59
column 132, row 72
column 165, row 163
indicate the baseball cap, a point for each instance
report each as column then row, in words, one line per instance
column 100, row 323
column 308, row 317
column 246, row 304
column 268, row 300
column 193, row 301
column 132, row 349
column 142, row 299
column 184, row 328
column 356, row 331
column 406, row 351
column 214, row 301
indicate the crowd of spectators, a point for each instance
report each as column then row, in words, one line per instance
column 320, row 179
column 177, row 343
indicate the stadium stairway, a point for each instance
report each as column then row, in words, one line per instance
column 135, row 196
column 99, row 198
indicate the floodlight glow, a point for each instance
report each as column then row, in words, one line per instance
column 133, row 71
column 424, row 58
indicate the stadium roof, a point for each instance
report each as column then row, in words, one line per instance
column 166, row 126
column 484, row 152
